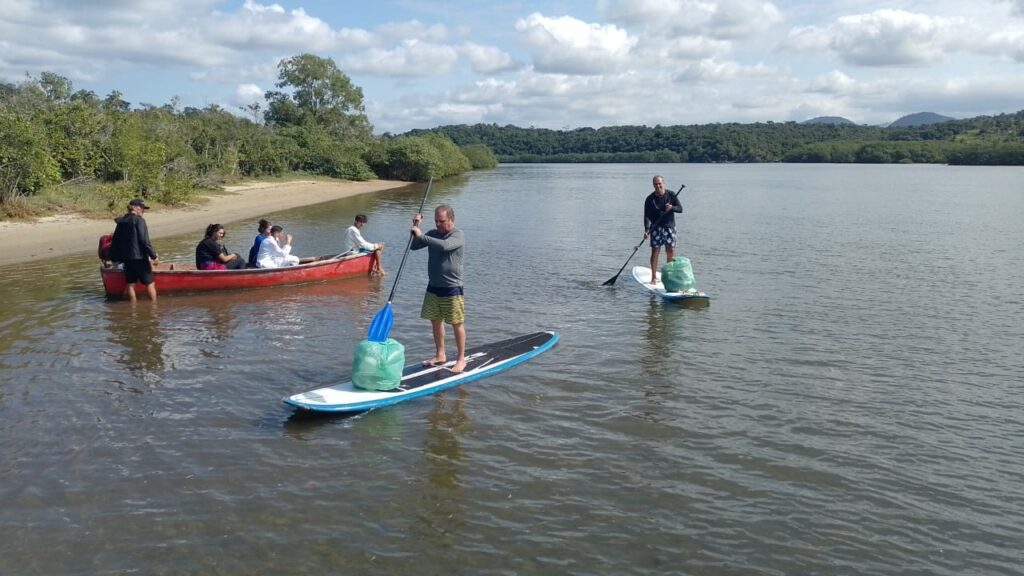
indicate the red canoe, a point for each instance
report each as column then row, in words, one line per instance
column 178, row 277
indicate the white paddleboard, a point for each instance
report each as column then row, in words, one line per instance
column 642, row 274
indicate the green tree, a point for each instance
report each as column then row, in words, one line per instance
column 133, row 155
column 25, row 162
column 57, row 88
column 74, row 133
column 321, row 95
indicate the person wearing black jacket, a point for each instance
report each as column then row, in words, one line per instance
column 131, row 247
column 660, row 208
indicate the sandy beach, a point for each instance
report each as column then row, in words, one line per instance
column 68, row 234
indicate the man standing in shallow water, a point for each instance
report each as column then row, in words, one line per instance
column 443, row 302
column 660, row 223
column 131, row 247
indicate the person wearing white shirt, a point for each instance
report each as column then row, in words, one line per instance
column 354, row 242
column 276, row 250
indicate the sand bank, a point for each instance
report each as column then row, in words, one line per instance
column 65, row 235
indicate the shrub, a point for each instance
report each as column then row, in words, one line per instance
column 479, row 156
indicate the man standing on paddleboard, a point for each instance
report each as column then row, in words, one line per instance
column 660, row 223
column 443, row 302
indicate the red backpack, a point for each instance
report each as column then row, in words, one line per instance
column 103, row 251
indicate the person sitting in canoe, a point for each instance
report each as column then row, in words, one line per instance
column 276, row 250
column 262, row 231
column 211, row 254
column 354, row 242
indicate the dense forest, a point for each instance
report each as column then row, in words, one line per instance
column 73, row 149
column 985, row 140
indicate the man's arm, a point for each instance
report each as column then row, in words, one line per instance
column 676, row 206
column 454, row 241
column 146, row 245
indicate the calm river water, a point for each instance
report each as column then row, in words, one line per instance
column 850, row 403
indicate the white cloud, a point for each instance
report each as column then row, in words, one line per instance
column 667, row 19
column 693, row 47
column 834, row 82
column 257, row 71
column 882, row 38
column 571, row 46
column 490, row 90
column 412, row 30
column 261, row 26
column 1017, row 6
column 709, row 70
column 487, row 59
column 16, row 10
column 412, row 58
column 1007, row 43
column 248, row 94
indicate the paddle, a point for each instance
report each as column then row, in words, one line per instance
column 381, row 325
column 675, row 198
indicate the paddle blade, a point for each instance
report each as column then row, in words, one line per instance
column 611, row 281
column 380, row 328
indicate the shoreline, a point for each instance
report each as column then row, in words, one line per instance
column 65, row 235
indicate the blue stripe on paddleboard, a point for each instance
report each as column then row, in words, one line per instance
column 426, row 390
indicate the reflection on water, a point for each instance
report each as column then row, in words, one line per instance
column 137, row 343
column 443, row 452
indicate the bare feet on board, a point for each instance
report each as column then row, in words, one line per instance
column 459, row 366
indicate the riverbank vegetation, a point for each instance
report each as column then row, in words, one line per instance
column 985, row 140
column 70, row 150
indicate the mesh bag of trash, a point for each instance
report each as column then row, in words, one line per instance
column 378, row 365
column 677, row 275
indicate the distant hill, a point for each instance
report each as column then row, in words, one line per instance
column 920, row 119
column 828, row 120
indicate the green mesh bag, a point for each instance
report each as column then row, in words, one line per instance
column 677, row 275
column 378, row 365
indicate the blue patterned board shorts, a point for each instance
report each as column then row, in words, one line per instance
column 663, row 236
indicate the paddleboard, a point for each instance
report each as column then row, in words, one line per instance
column 419, row 380
column 642, row 274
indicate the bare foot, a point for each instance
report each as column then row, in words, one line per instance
column 459, row 366
column 435, row 361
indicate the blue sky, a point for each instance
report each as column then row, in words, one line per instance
column 559, row 64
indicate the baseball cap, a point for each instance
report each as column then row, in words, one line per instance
column 138, row 202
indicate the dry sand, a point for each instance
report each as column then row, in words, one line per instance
column 64, row 235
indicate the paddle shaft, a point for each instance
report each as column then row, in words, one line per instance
column 675, row 197
column 409, row 243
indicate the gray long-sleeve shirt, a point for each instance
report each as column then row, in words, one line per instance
column 444, row 257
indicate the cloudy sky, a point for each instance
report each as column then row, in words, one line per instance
column 557, row 64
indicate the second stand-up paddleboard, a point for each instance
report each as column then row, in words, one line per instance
column 642, row 274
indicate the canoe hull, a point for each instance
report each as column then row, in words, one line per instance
column 170, row 281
